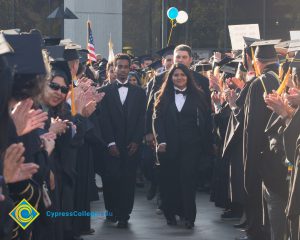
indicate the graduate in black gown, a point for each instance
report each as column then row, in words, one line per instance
column 233, row 142
column 6, row 203
column 180, row 124
column 26, row 84
column 255, row 140
column 287, row 108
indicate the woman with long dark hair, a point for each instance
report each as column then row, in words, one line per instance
column 180, row 123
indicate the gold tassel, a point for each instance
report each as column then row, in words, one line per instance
column 257, row 73
column 284, row 83
column 73, row 109
column 281, row 72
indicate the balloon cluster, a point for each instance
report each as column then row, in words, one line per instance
column 180, row 17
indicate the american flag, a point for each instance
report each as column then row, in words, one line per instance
column 90, row 45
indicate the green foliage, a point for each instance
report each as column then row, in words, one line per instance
column 29, row 14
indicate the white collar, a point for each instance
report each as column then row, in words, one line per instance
column 181, row 90
column 121, row 82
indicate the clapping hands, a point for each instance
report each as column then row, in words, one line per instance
column 14, row 168
column 27, row 119
column 278, row 104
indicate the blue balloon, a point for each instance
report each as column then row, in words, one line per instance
column 172, row 13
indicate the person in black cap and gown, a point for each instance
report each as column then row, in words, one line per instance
column 255, row 140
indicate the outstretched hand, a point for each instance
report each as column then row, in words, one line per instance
column 14, row 168
column 27, row 119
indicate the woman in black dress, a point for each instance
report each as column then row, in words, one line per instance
column 180, row 123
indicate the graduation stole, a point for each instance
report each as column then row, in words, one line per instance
column 262, row 81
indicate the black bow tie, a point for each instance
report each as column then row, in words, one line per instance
column 123, row 85
column 184, row 93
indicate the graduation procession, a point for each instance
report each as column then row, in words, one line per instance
column 112, row 127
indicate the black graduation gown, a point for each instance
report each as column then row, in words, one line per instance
column 292, row 148
column 293, row 206
column 6, row 223
column 255, row 141
column 6, row 206
column 29, row 189
column 256, row 118
column 273, row 167
column 233, row 148
column 64, row 160
column 185, row 134
column 85, row 174
column 220, row 181
column 122, row 124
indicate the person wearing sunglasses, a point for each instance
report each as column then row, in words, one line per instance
column 56, row 89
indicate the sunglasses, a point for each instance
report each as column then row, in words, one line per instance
column 56, row 87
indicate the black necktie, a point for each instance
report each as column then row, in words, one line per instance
column 122, row 85
column 184, row 93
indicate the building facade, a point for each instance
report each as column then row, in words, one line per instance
column 106, row 20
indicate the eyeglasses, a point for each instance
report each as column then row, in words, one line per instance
column 56, row 87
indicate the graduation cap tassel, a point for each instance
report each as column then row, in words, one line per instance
column 281, row 72
column 254, row 64
column 284, row 82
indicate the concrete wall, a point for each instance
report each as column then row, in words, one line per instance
column 106, row 18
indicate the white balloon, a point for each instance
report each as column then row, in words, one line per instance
column 182, row 17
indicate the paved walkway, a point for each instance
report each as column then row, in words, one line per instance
column 144, row 224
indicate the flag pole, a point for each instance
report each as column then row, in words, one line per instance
column 87, row 37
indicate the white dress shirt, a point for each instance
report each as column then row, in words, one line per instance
column 179, row 99
column 123, row 92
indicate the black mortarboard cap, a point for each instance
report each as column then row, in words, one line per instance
column 265, row 50
column 56, row 52
column 27, row 57
column 70, row 54
column 202, row 67
column 83, row 55
column 249, row 41
column 166, row 51
column 155, row 65
column 61, row 68
column 230, row 67
column 53, row 41
column 224, row 61
column 58, row 63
